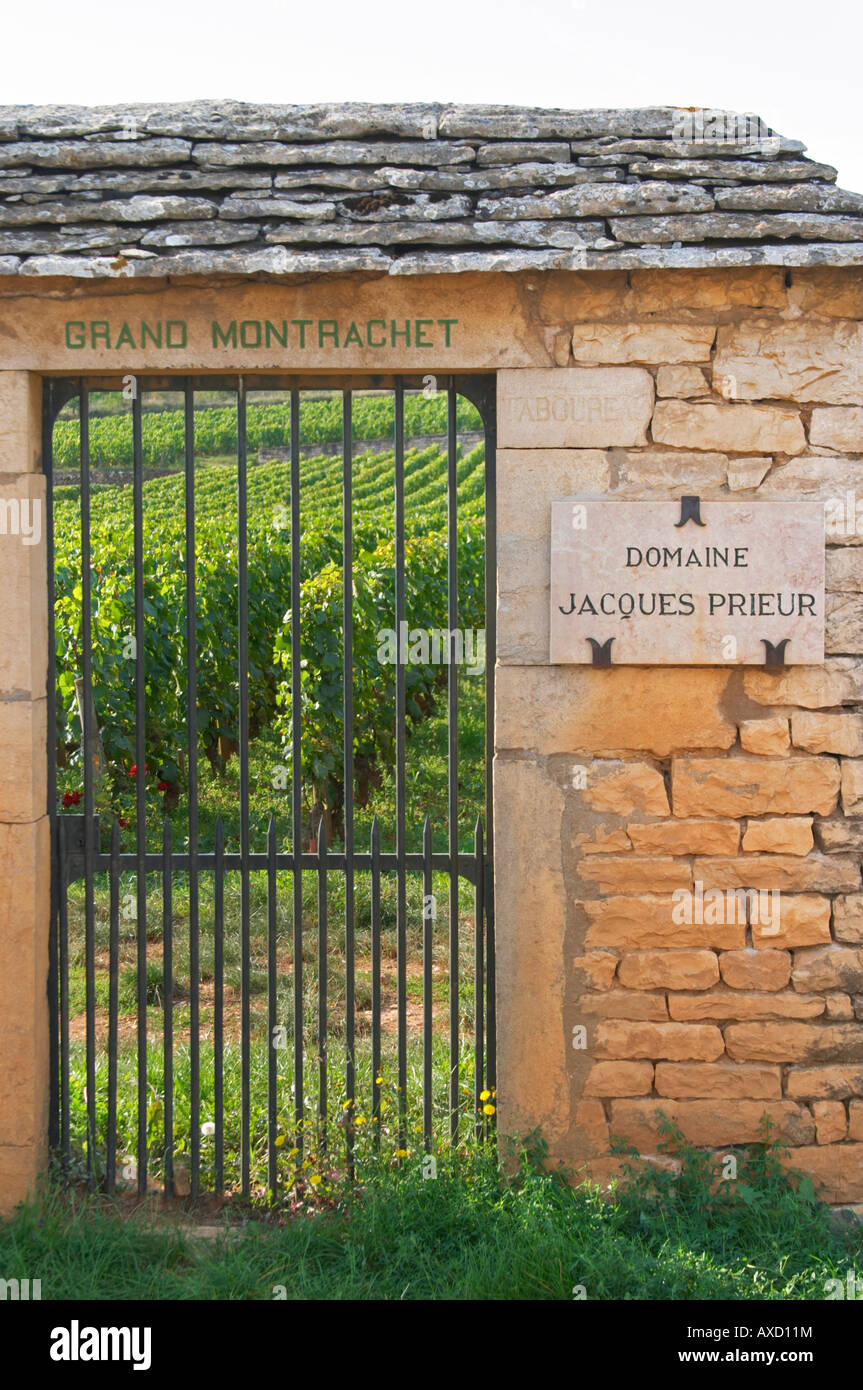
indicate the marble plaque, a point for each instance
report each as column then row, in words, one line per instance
column 665, row 593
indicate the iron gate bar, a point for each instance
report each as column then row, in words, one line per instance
column 113, row 1007
column 218, row 1005
column 54, row 987
column 87, row 721
column 77, row 852
column 243, row 741
column 375, row 857
column 296, row 768
column 452, row 750
column 348, row 761
column 401, row 736
column 168, row 996
column 322, row 980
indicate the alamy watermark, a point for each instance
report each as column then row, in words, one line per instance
column 739, row 130
column 21, row 517
column 433, row 646
column 727, row 906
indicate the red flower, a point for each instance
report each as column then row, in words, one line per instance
column 163, row 786
column 133, row 770
column 122, row 822
column 76, row 798
column 67, row 800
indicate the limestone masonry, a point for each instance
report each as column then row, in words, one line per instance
column 673, row 305
column 406, row 190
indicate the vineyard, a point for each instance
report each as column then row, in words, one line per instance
column 268, row 426
column 269, row 558
column 195, row 967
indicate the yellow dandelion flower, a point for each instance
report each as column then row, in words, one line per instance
column 305, row 1163
column 401, row 1153
column 280, row 1139
column 292, row 1153
column 485, row 1095
column 347, row 1105
column 379, row 1081
column 360, row 1120
column 315, row 1181
column 488, row 1109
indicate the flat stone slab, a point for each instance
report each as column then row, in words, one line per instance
column 665, row 593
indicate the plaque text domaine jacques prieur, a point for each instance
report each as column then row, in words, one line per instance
column 671, row 591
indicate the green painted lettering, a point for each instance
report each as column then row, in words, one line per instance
column 124, row 338
column 400, row 333
column 369, row 326
column 76, row 334
column 100, row 331
column 271, row 331
column 180, row 325
column 302, row 324
column 148, row 332
column 227, row 337
column 250, row 333
column 352, row 336
column 446, row 328
column 328, row 328
column 419, row 339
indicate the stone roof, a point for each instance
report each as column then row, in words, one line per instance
column 226, row 187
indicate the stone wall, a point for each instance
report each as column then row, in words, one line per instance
column 613, row 788
column 633, row 782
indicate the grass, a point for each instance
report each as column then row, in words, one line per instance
column 427, row 785
column 472, row 1233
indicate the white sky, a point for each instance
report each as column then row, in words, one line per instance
column 796, row 65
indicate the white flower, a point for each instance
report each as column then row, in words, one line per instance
column 208, row 1129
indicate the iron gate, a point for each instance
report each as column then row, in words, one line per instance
column 258, row 1110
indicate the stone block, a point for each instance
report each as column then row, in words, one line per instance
column 24, row 764
column 20, row 422
column 824, row 1083
column 794, row 1042
column 530, row 930
column 564, row 709
column 624, row 1003
column 23, row 584
column 733, row 429
column 799, row 361
column 838, row 427
column 831, row 1123
column 597, row 344
column 804, row 920
column 852, row 786
column 631, row 874
column 721, row 1080
column 651, row 920
column 838, row 682
column 836, row 1172
column 685, row 837
column 747, row 473
column 753, row 786
column 766, row 737
column 755, row 970
column 844, row 624
column 711, row 1122
column 574, row 407
column 828, row 968
column 620, row 1079
column 679, row 1042
column 848, row 918
column 734, row 1004
column 817, row 873
column 684, row 382
column 668, row 969
column 780, row 835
